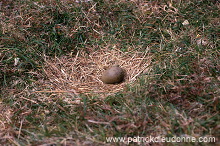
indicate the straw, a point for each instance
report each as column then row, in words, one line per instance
column 81, row 74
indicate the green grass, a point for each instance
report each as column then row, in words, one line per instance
column 180, row 96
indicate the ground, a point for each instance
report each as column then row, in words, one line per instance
column 53, row 53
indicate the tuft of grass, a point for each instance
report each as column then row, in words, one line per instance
column 177, row 96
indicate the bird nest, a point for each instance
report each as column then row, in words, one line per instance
column 80, row 74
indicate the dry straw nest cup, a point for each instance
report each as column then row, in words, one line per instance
column 81, row 74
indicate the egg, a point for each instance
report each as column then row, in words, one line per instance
column 113, row 75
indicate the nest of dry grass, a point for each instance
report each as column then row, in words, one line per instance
column 81, row 74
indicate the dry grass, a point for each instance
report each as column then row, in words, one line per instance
column 6, row 130
column 81, row 74
column 53, row 53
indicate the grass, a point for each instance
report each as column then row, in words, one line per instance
column 178, row 94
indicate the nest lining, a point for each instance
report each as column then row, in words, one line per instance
column 81, row 74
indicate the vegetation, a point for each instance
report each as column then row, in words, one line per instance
column 177, row 96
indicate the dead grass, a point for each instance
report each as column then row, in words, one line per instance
column 6, row 130
column 53, row 53
column 81, row 74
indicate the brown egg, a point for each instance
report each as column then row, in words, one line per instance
column 113, row 75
